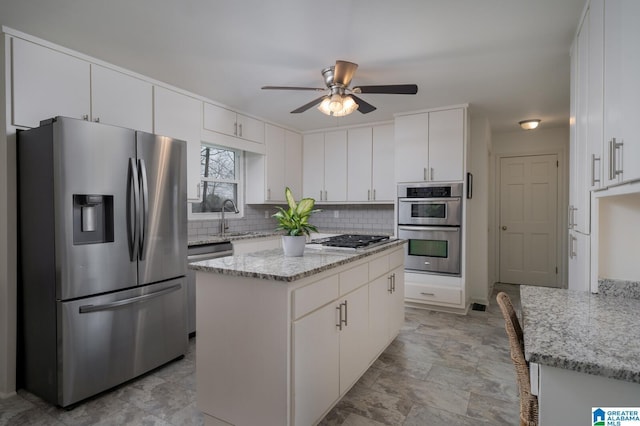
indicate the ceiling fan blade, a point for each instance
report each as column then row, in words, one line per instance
column 391, row 89
column 363, row 107
column 316, row 89
column 311, row 104
column 344, row 72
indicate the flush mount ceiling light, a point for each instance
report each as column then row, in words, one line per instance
column 529, row 124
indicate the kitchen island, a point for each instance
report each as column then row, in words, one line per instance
column 282, row 339
column 584, row 352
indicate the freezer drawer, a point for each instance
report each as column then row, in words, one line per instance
column 107, row 340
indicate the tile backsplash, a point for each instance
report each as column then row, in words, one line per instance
column 368, row 218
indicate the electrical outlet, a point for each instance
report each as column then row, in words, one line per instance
column 336, row 214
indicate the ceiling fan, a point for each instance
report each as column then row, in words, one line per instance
column 341, row 100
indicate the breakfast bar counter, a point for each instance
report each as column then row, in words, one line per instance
column 584, row 352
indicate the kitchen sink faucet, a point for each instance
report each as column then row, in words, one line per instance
column 223, row 225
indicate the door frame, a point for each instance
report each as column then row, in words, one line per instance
column 562, row 203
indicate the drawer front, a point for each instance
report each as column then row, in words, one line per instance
column 354, row 278
column 379, row 267
column 311, row 297
column 396, row 259
column 432, row 294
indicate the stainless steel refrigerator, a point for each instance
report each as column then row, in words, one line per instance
column 103, row 247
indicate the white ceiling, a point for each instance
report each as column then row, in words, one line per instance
column 509, row 59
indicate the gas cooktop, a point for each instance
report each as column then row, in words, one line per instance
column 351, row 241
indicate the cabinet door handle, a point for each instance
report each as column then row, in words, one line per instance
column 390, row 288
column 431, row 173
column 593, row 170
column 339, row 309
column 570, row 218
column 346, row 312
column 572, row 252
column 374, row 194
column 424, row 173
column 97, row 119
column 326, row 198
column 368, row 195
column 240, row 129
column 85, row 117
column 393, row 282
column 427, row 294
column 613, row 163
column 268, row 193
column 235, row 129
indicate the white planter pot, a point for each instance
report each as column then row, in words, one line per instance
column 293, row 246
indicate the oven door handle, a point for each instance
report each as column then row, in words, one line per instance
column 428, row 200
column 430, row 228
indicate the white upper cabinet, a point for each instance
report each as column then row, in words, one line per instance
column 225, row 121
column 446, row 145
column 383, row 184
column 579, row 195
column 412, row 147
column 359, row 161
column 122, row 100
column 280, row 167
column 370, row 154
column 293, row 162
column 47, row 83
column 430, row 146
column 621, row 91
column 180, row 116
column 313, row 166
column 275, row 175
column 595, row 95
column 324, row 166
column 335, row 166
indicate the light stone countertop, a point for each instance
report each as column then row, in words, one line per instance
column 583, row 332
column 273, row 265
column 230, row 236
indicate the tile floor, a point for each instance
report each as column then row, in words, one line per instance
column 443, row 369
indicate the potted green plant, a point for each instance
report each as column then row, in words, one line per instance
column 295, row 222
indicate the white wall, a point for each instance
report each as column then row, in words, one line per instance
column 531, row 142
column 618, row 236
column 477, row 233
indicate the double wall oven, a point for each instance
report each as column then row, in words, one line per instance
column 430, row 218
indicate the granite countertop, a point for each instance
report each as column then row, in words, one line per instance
column 583, row 332
column 229, row 236
column 273, row 265
column 233, row 236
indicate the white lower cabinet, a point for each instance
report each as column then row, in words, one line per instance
column 323, row 339
column 436, row 291
column 316, row 342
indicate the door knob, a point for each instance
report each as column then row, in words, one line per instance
column 504, row 228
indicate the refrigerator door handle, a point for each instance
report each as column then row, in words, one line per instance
column 144, row 217
column 132, row 216
column 107, row 306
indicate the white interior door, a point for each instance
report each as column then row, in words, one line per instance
column 529, row 220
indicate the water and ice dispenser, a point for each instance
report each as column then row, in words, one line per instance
column 92, row 219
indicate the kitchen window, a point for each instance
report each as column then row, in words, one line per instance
column 220, row 180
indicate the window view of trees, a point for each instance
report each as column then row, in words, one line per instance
column 220, row 178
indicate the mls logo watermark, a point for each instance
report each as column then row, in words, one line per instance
column 615, row 416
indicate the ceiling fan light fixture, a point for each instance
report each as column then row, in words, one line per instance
column 338, row 105
column 529, row 124
column 335, row 103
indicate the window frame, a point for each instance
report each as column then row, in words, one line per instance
column 239, row 181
